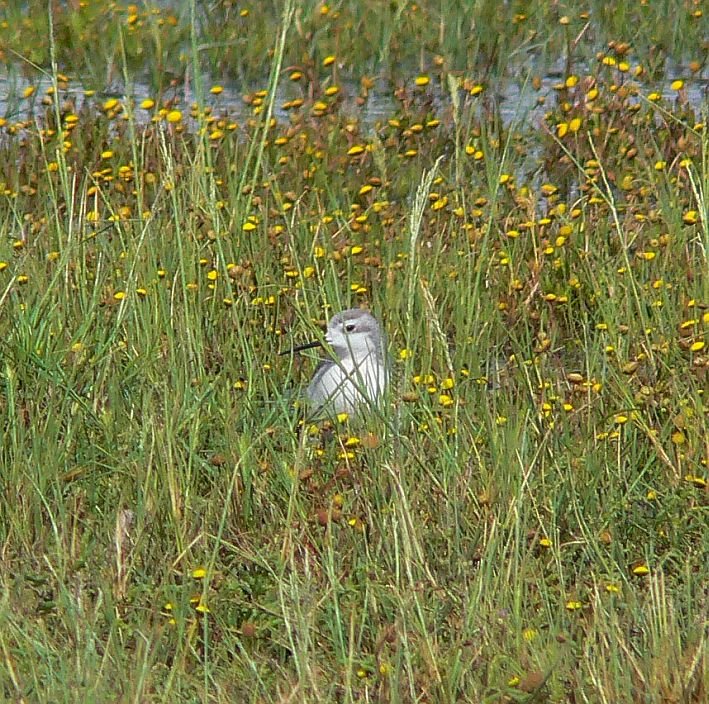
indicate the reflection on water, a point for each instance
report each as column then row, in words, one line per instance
column 512, row 101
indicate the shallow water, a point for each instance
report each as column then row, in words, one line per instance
column 515, row 102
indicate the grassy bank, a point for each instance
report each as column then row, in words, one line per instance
column 527, row 518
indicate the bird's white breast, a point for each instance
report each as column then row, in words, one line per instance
column 343, row 386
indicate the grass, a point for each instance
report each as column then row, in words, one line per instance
column 527, row 519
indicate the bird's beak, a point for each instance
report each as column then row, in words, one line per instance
column 300, row 348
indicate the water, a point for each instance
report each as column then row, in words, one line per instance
column 514, row 101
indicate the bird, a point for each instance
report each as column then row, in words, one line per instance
column 357, row 374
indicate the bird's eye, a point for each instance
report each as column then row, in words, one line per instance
column 350, row 327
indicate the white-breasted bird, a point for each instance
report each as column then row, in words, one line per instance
column 357, row 375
